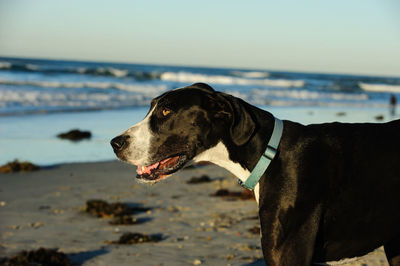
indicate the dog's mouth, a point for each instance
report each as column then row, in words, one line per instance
column 162, row 169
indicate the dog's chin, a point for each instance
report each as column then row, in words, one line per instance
column 160, row 170
column 144, row 180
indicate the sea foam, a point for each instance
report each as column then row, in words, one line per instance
column 141, row 88
column 379, row 87
column 187, row 77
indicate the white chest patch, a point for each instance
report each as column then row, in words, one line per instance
column 219, row 155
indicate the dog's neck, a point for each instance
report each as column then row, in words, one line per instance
column 240, row 160
column 219, row 155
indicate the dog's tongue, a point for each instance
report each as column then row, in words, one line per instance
column 147, row 169
column 164, row 163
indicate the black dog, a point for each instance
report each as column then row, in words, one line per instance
column 331, row 192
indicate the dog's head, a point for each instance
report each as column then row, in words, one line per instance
column 180, row 125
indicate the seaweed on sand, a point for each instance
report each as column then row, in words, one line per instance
column 199, row 180
column 136, row 238
column 120, row 212
column 17, row 166
column 232, row 195
column 42, row 256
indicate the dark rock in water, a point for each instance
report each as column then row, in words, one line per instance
column 42, row 256
column 17, row 166
column 243, row 195
column 136, row 238
column 340, row 113
column 198, row 180
column 379, row 117
column 75, row 135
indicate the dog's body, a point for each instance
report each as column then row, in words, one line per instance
column 331, row 192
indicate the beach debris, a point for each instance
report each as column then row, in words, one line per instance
column 196, row 165
column 42, row 256
column 136, row 238
column 75, row 135
column 232, row 195
column 220, row 222
column 15, row 227
column 230, row 257
column 255, row 230
column 17, row 166
column 173, row 209
column 101, row 208
column 197, row 262
column 179, row 239
column 124, row 219
column 379, row 117
column 36, row 225
column 246, row 247
column 199, row 180
column 120, row 212
column 57, row 211
column 255, row 217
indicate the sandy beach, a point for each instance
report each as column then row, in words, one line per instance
column 45, row 208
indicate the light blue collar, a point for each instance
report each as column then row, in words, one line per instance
column 266, row 157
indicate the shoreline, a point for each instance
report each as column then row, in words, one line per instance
column 45, row 209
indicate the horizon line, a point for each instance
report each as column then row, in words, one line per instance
column 196, row 66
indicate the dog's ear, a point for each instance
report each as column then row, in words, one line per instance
column 242, row 125
column 203, row 86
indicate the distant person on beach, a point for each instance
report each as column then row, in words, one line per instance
column 392, row 107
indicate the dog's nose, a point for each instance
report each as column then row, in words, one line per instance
column 119, row 142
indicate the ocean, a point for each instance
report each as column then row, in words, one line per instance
column 41, row 98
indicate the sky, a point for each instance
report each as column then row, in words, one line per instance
column 341, row 36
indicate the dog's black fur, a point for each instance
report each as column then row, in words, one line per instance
column 332, row 191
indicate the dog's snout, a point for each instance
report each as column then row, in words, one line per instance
column 118, row 143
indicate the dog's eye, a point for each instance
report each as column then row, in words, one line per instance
column 165, row 112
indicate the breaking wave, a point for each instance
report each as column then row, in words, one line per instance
column 141, row 88
column 251, row 74
column 94, row 71
column 300, row 96
column 380, row 87
column 32, row 85
column 22, row 102
column 187, row 77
